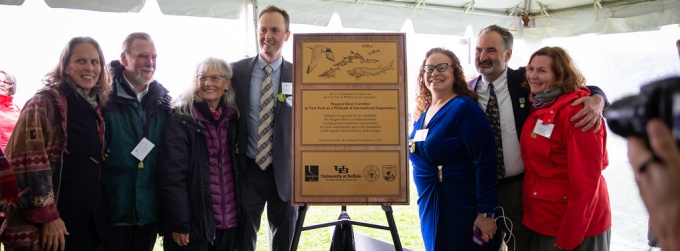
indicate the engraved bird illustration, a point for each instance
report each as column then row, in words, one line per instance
column 319, row 51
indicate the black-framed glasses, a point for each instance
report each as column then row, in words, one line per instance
column 212, row 78
column 6, row 83
column 440, row 67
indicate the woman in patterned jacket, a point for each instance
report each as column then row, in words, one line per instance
column 56, row 150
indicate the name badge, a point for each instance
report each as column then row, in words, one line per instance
column 543, row 130
column 142, row 149
column 420, row 135
column 287, row 88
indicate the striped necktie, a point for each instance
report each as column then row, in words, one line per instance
column 265, row 130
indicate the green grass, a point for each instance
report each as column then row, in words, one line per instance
column 405, row 216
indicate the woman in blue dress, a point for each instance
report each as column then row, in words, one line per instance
column 454, row 159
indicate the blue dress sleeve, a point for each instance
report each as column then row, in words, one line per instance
column 480, row 144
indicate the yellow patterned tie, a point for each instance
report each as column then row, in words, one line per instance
column 495, row 118
column 265, row 130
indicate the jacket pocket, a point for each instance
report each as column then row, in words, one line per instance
column 546, row 203
column 550, row 191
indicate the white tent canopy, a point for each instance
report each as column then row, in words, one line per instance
column 542, row 18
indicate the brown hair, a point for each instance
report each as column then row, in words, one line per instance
column 284, row 13
column 460, row 87
column 567, row 77
column 57, row 76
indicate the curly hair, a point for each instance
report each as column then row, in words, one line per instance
column 460, row 87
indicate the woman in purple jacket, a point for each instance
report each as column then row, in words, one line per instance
column 196, row 175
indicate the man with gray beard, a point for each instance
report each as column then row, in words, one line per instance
column 135, row 126
column 494, row 49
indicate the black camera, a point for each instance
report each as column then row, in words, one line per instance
column 659, row 99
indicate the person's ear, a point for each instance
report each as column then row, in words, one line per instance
column 508, row 55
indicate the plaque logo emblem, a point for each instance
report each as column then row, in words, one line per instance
column 389, row 172
column 371, row 173
column 312, row 173
column 341, row 169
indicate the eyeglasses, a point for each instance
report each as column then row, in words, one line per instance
column 6, row 83
column 440, row 67
column 213, row 78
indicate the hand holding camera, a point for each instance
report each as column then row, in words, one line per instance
column 657, row 173
column 651, row 122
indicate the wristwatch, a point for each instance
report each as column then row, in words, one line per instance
column 486, row 215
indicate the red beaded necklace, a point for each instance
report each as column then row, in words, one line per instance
column 216, row 113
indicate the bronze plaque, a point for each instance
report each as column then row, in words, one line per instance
column 350, row 119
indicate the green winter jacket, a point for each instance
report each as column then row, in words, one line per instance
column 129, row 186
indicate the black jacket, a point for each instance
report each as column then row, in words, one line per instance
column 184, row 175
column 517, row 92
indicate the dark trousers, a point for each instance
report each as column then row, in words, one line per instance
column 509, row 197
column 599, row 242
column 132, row 238
column 83, row 240
column 259, row 189
column 224, row 241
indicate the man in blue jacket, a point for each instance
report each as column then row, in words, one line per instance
column 135, row 125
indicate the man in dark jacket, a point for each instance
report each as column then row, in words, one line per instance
column 135, row 124
column 266, row 168
column 494, row 49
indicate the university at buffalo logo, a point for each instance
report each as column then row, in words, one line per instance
column 312, row 173
column 389, row 172
column 341, row 169
column 371, row 173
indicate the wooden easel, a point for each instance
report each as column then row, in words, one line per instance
column 302, row 211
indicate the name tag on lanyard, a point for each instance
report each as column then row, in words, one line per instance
column 141, row 150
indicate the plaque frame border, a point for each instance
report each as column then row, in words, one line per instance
column 297, row 170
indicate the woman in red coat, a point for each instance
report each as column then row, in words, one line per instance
column 9, row 112
column 566, row 202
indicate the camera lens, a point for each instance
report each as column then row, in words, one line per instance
column 659, row 99
column 626, row 117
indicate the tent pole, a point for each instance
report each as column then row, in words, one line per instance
column 256, row 11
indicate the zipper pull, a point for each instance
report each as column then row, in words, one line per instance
column 441, row 177
column 140, row 165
